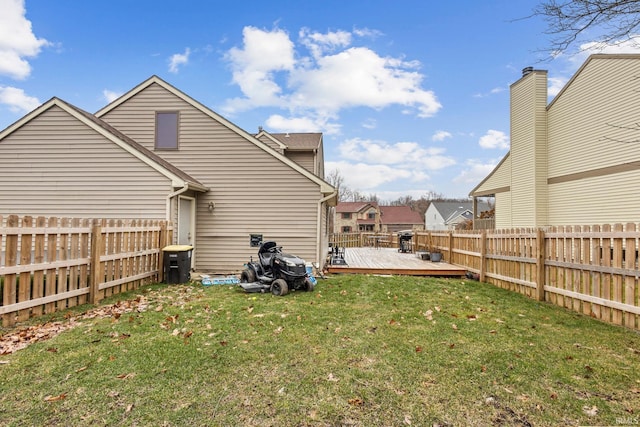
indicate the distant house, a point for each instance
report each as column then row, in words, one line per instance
column 398, row 218
column 157, row 153
column 371, row 217
column 353, row 217
column 448, row 215
column 575, row 160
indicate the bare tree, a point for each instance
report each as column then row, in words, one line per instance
column 569, row 20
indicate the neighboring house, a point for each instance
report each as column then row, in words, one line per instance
column 157, row 153
column 353, row 217
column 575, row 161
column 448, row 215
column 370, row 217
column 399, row 218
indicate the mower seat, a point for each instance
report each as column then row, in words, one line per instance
column 266, row 253
column 265, row 260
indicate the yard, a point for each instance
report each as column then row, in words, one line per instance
column 359, row 351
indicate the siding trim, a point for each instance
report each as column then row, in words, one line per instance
column 594, row 173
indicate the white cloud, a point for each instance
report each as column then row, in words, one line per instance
column 555, row 85
column 17, row 100
column 370, row 123
column 493, row 91
column 319, row 43
column 363, row 177
column 279, row 123
column 17, row 40
column 178, row 59
column 474, row 172
column 271, row 72
column 409, row 155
column 494, row 139
column 254, row 66
column 441, row 135
column 110, row 95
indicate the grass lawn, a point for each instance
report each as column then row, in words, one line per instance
column 359, row 351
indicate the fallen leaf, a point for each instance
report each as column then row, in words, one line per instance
column 418, row 349
column 407, row 420
column 126, row 376
column 590, row 411
column 356, row 401
column 55, row 398
column 428, row 314
column 129, row 408
column 392, row 322
column 454, row 326
column 332, row 378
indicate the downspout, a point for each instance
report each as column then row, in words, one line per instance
column 319, row 227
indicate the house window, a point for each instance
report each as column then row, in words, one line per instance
column 346, row 215
column 167, row 130
column 372, row 215
column 346, row 229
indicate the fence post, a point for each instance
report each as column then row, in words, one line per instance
column 483, row 254
column 96, row 245
column 450, row 260
column 540, row 265
column 164, row 241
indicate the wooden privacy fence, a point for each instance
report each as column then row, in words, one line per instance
column 52, row 264
column 589, row 269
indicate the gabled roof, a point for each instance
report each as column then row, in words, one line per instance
column 299, row 141
column 177, row 176
column 325, row 187
column 399, row 215
column 270, row 137
column 345, row 207
column 451, row 210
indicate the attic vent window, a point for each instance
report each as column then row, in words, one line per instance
column 167, row 130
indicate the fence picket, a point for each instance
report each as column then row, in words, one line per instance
column 49, row 267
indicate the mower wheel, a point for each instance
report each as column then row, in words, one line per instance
column 309, row 286
column 247, row 276
column 279, row 287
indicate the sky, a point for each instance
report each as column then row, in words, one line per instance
column 412, row 96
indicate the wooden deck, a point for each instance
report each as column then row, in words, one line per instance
column 390, row 261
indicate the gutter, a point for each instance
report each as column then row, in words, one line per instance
column 319, row 227
column 186, row 187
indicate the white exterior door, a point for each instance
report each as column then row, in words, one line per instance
column 186, row 220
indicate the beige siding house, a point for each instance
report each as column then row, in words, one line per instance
column 576, row 160
column 138, row 157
